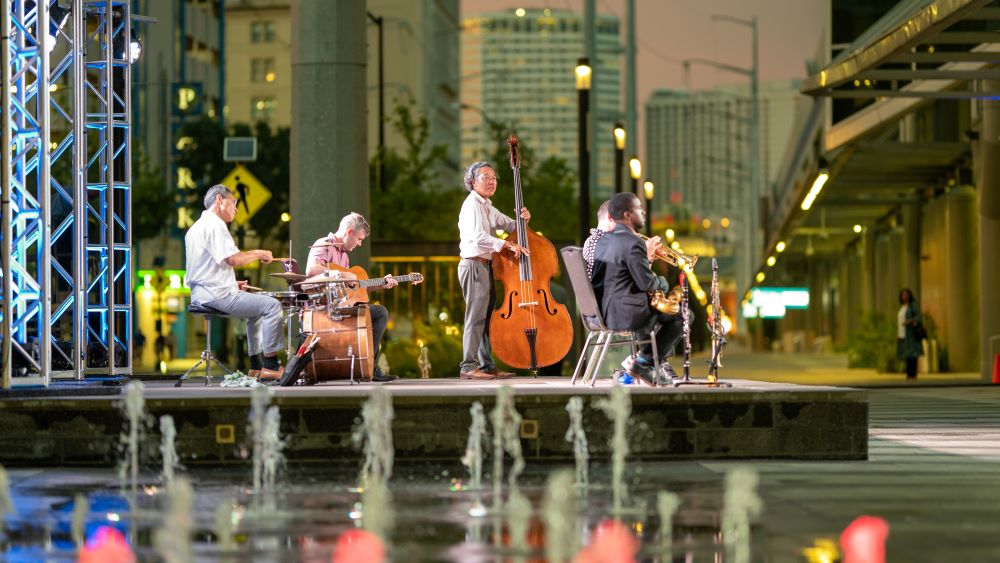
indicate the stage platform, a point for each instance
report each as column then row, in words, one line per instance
column 81, row 424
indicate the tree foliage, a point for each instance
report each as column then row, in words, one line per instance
column 203, row 157
column 414, row 203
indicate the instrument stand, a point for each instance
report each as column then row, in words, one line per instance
column 289, row 312
column 712, row 380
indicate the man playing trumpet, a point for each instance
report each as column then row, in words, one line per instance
column 623, row 280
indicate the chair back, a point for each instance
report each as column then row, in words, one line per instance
column 586, row 301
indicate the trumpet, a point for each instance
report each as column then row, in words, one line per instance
column 671, row 256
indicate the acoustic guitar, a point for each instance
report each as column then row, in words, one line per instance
column 360, row 293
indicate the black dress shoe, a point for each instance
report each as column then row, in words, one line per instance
column 379, row 376
column 642, row 370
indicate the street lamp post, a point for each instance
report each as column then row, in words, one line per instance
column 635, row 171
column 583, row 74
column 379, row 20
column 619, row 134
column 754, row 207
column 647, row 187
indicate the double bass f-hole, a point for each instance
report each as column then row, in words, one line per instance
column 545, row 298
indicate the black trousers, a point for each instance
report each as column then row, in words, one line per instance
column 911, row 368
column 380, row 320
column 670, row 333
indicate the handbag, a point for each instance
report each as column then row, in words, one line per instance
column 919, row 332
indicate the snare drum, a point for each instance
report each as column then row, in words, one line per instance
column 287, row 298
column 345, row 344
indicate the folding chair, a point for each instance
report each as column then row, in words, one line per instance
column 599, row 336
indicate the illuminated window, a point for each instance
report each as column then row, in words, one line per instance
column 262, row 109
column 262, row 70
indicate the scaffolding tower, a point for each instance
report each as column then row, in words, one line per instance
column 65, row 248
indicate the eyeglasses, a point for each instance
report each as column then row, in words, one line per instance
column 488, row 177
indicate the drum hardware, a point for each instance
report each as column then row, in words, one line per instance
column 290, row 277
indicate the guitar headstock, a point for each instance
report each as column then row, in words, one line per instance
column 416, row 278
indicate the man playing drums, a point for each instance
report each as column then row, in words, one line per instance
column 330, row 252
column 211, row 257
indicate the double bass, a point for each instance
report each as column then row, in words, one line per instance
column 530, row 329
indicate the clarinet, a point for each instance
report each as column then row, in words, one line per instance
column 718, row 338
column 686, row 321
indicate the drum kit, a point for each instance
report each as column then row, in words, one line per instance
column 345, row 348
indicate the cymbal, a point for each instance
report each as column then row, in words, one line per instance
column 290, row 277
column 326, row 277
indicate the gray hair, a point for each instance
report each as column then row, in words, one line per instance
column 602, row 211
column 356, row 221
column 473, row 170
column 214, row 192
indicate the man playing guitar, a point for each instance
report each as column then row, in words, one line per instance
column 331, row 251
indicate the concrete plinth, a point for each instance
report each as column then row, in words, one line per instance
column 751, row 420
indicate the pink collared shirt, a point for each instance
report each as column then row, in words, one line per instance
column 321, row 256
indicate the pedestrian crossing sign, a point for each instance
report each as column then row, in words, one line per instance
column 251, row 194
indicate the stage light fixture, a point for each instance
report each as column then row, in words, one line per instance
column 57, row 18
column 135, row 46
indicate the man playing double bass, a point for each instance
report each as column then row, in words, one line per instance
column 477, row 223
column 332, row 250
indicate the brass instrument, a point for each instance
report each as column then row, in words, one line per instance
column 671, row 256
column 667, row 302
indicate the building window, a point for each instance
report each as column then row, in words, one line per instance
column 262, row 70
column 262, row 32
column 262, row 109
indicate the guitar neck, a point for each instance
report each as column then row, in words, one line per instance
column 377, row 282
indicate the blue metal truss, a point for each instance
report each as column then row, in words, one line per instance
column 66, row 239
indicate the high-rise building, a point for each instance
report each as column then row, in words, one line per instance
column 419, row 53
column 698, row 145
column 178, row 78
column 518, row 69
column 259, row 71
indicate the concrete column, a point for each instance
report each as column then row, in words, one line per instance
column 988, row 167
column 962, row 338
column 329, row 146
column 912, row 226
column 869, row 259
column 853, row 292
column 841, row 287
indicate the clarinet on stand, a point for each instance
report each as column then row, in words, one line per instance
column 718, row 334
column 686, row 320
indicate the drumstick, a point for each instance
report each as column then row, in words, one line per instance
column 281, row 259
column 252, row 288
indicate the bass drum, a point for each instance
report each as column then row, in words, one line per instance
column 345, row 344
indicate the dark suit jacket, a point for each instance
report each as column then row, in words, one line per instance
column 621, row 279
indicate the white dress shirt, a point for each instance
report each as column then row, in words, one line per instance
column 208, row 243
column 476, row 223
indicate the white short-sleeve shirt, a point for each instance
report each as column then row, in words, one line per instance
column 208, row 243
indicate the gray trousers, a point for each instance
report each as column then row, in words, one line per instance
column 478, row 290
column 263, row 315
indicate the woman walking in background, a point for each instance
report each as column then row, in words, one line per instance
column 908, row 345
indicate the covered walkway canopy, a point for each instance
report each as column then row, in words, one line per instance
column 920, row 51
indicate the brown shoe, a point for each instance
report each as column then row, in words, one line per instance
column 270, row 374
column 499, row 374
column 476, row 374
